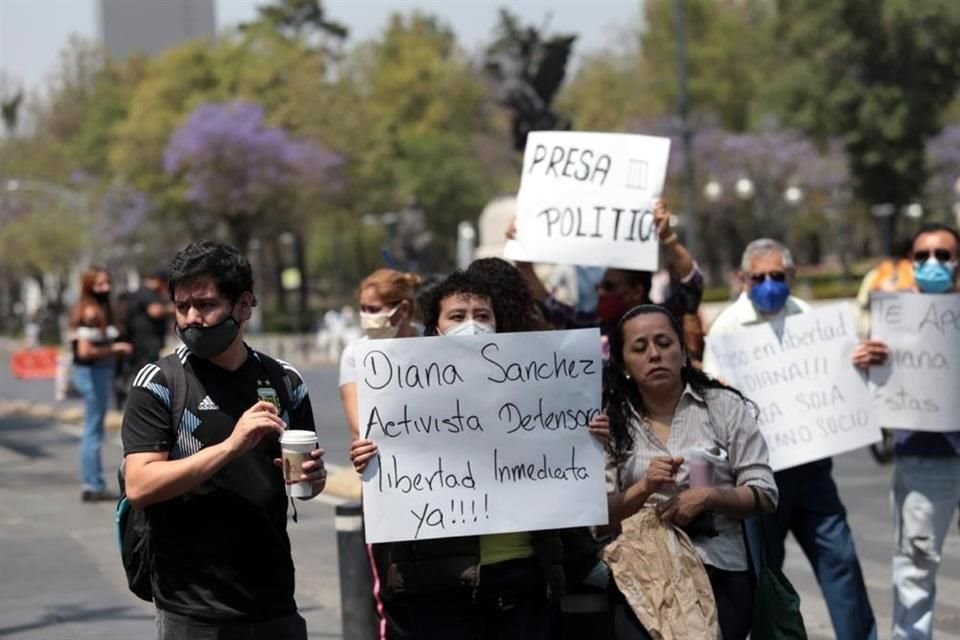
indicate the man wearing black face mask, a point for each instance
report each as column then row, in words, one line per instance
column 213, row 496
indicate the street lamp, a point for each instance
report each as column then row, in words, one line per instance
column 793, row 195
column 744, row 188
column 713, row 191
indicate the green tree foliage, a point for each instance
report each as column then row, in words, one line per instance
column 728, row 46
column 423, row 104
column 879, row 75
column 606, row 93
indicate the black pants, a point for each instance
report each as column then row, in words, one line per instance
column 733, row 591
column 173, row 626
column 509, row 604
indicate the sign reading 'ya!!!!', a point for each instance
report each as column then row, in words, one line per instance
column 587, row 199
column 481, row 434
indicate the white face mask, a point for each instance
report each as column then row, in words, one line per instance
column 379, row 325
column 469, row 328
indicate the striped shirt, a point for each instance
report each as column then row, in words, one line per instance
column 729, row 423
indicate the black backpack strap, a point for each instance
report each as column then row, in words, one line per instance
column 279, row 380
column 176, row 377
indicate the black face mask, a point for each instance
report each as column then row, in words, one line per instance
column 209, row 342
column 102, row 298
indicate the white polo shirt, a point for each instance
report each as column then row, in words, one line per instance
column 742, row 313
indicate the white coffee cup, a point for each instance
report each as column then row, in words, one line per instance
column 295, row 448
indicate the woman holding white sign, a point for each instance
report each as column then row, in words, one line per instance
column 687, row 446
column 473, row 587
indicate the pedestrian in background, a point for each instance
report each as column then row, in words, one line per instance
column 148, row 313
column 96, row 348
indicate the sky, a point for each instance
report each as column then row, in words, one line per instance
column 32, row 32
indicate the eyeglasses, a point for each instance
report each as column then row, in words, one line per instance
column 776, row 276
column 942, row 255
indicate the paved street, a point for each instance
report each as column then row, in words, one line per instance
column 62, row 579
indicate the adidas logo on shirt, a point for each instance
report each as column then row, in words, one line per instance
column 208, row 405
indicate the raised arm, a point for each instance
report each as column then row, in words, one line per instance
column 677, row 259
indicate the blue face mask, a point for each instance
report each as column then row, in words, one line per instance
column 769, row 296
column 934, row 276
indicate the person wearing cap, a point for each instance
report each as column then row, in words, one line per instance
column 809, row 505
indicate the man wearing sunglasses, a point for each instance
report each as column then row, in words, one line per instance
column 809, row 505
column 926, row 475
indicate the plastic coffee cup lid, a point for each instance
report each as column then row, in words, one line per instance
column 298, row 436
column 715, row 455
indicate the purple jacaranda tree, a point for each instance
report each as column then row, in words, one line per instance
column 241, row 171
column 124, row 211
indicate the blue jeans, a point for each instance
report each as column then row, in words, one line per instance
column 926, row 493
column 810, row 508
column 93, row 383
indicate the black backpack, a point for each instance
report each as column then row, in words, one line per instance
column 133, row 529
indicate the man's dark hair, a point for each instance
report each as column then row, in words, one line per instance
column 934, row 227
column 224, row 263
column 457, row 283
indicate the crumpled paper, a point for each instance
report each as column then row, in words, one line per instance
column 660, row 574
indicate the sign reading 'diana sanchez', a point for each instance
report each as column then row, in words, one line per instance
column 813, row 402
column 917, row 387
column 587, row 198
column 481, row 434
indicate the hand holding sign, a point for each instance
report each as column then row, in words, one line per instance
column 916, row 386
column 588, row 198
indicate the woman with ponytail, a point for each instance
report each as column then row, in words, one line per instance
column 665, row 419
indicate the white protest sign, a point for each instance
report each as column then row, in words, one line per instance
column 481, row 434
column 586, row 198
column 917, row 387
column 813, row 402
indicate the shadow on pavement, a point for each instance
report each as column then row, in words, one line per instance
column 66, row 614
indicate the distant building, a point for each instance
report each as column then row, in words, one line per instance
column 150, row 26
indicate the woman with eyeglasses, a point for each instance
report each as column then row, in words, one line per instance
column 488, row 587
column 661, row 413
